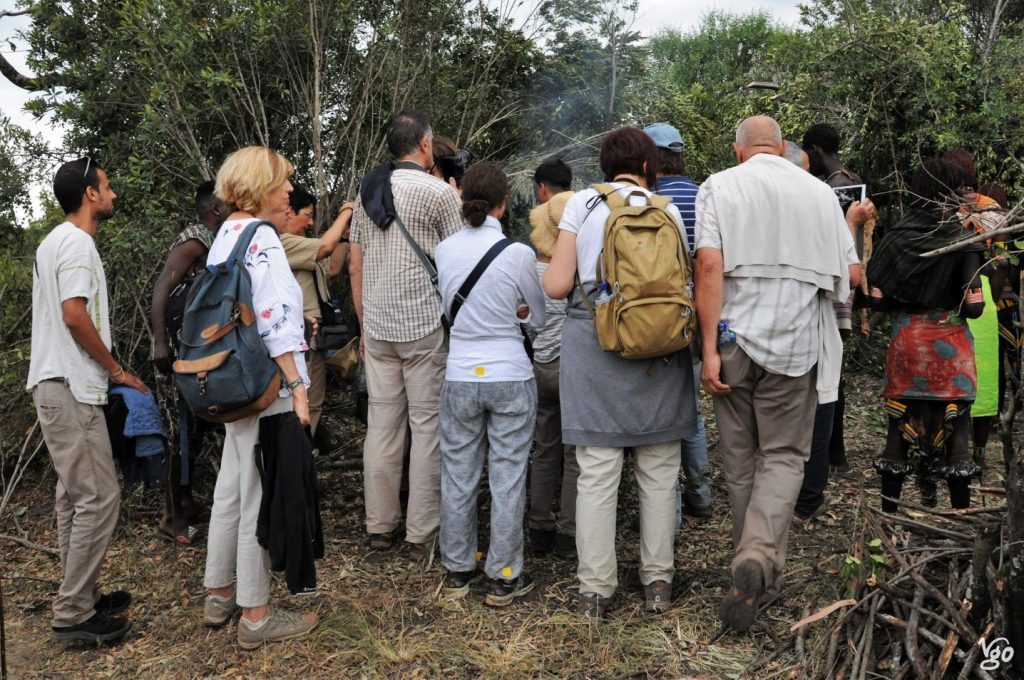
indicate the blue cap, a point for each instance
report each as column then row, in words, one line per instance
column 666, row 137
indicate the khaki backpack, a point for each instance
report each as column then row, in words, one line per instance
column 647, row 311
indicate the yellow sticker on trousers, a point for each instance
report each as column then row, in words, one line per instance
column 507, row 572
column 479, row 371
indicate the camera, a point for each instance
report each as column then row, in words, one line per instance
column 454, row 165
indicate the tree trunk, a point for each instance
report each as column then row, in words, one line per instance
column 1014, row 565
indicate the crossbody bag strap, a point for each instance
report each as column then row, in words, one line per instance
column 428, row 266
column 316, row 283
column 474, row 276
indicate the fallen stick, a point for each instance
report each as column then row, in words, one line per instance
column 821, row 613
column 958, row 513
column 799, row 646
column 30, row 544
column 947, row 651
column 926, row 528
column 833, row 649
column 910, row 639
column 865, row 652
column 965, row 629
column 938, row 641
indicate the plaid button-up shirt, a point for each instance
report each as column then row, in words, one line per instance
column 399, row 302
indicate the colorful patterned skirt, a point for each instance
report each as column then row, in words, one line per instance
column 930, row 357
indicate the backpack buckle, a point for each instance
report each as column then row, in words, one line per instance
column 201, row 381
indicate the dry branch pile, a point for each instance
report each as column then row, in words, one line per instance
column 928, row 598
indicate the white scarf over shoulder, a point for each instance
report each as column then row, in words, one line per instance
column 778, row 221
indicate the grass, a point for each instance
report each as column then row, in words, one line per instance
column 382, row 616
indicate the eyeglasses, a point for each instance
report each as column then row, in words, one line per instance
column 88, row 162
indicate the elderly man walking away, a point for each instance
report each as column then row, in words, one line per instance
column 402, row 214
column 68, row 375
column 772, row 255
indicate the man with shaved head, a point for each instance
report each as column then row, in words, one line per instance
column 773, row 251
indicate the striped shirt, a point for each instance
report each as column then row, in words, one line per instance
column 547, row 345
column 399, row 302
column 683, row 193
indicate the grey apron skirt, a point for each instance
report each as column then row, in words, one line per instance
column 610, row 401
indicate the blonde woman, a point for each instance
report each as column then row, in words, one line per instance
column 254, row 183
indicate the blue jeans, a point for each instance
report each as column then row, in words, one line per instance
column 696, row 490
column 490, row 422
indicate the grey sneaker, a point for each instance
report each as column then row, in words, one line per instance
column 279, row 625
column 217, row 612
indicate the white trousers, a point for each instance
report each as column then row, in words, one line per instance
column 231, row 547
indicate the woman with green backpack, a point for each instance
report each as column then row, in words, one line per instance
column 626, row 380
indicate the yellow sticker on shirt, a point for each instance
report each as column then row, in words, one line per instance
column 479, row 371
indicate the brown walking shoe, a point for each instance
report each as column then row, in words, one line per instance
column 739, row 606
column 657, row 596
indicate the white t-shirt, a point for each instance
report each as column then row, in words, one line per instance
column 67, row 266
column 276, row 295
column 587, row 222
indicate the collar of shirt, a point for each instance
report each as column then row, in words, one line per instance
column 492, row 222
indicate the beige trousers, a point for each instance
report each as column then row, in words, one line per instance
column 656, row 467
column 404, row 380
column 765, row 425
column 88, row 495
column 317, row 370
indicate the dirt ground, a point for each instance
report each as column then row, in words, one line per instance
column 381, row 614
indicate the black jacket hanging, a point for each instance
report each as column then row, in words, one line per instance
column 289, row 524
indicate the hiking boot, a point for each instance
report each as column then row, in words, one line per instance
column 541, row 541
column 421, row 551
column 217, row 610
column 740, row 604
column 457, row 583
column 99, row 628
column 382, row 541
column 657, row 596
column 278, row 625
column 502, row 592
column 565, row 547
column 113, row 603
column 593, row 606
column 701, row 514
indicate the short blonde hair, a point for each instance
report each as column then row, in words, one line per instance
column 247, row 176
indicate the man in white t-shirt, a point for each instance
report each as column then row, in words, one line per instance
column 772, row 254
column 69, row 371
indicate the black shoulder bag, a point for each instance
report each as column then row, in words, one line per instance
column 474, row 276
column 332, row 333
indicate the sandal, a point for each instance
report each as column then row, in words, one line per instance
column 184, row 538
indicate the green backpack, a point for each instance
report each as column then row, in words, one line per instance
column 647, row 308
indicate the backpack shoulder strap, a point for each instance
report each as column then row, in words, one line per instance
column 610, row 195
column 244, row 239
column 660, row 202
column 474, row 276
